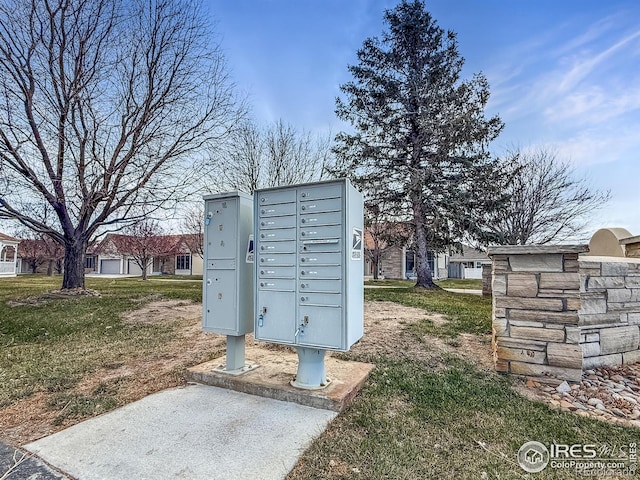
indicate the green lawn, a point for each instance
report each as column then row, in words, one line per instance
column 51, row 346
column 460, row 422
column 410, row 421
column 466, row 284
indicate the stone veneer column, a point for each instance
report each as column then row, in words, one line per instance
column 536, row 298
column 610, row 313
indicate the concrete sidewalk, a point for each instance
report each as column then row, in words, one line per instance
column 194, row 432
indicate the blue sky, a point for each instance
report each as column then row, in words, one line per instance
column 564, row 74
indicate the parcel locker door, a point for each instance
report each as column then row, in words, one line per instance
column 320, row 327
column 222, row 223
column 275, row 316
column 221, row 305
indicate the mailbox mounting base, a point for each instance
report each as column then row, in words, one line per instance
column 311, row 374
column 235, row 364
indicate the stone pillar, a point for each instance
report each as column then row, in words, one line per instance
column 536, row 298
column 486, row 279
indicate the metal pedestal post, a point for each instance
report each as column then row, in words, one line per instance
column 235, row 352
column 311, row 374
column 235, row 361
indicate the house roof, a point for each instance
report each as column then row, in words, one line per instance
column 468, row 254
column 119, row 243
column 385, row 232
column 8, row 239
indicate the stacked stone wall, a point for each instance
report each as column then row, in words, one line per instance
column 555, row 313
column 610, row 313
column 486, row 279
column 536, row 298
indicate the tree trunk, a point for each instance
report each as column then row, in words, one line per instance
column 144, row 269
column 423, row 272
column 376, row 266
column 74, row 253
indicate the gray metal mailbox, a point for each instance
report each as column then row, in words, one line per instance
column 228, row 275
column 309, row 265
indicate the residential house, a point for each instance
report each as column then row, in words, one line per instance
column 171, row 254
column 397, row 261
column 40, row 255
column 8, row 255
column 468, row 263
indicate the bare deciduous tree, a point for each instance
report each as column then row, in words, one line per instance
column 277, row 155
column 143, row 241
column 104, row 105
column 193, row 224
column 549, row 203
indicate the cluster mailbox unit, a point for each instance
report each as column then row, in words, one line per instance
column 309, row 271
column 306, row 289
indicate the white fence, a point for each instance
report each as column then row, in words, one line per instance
column 7, row 268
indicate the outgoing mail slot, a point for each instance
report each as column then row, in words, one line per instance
column 321, row 272
column 277, row 259
column 332, row 231
column 277, row 234
column 327, row 205
column 223, row 264
column 321, row 192
column 279, row 284
column 277, row 210
column 270, row 197
column 323, row 245
column 277, row 222
column 320, row 259
column 326, row 218
column 276, row 272
column 326, row 286
column 278, row 247
column 321, row 299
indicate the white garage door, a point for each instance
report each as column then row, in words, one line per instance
column 110, row 266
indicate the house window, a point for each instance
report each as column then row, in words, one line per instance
column 90, row 262
column 183, row 262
